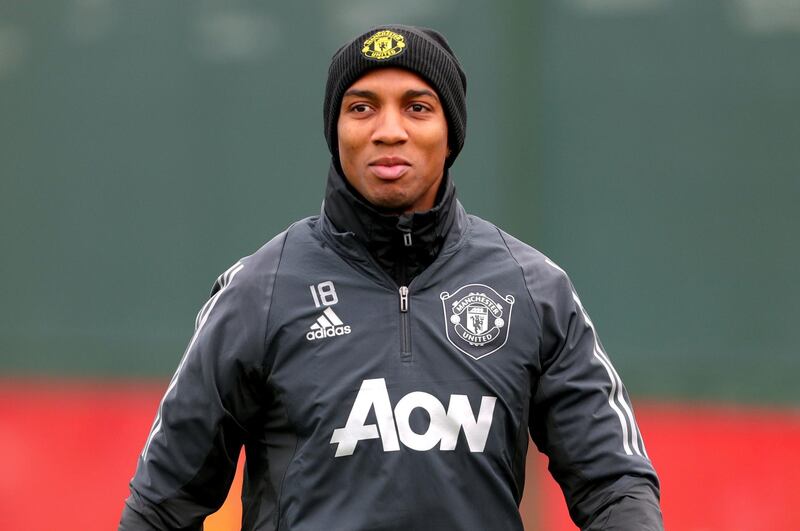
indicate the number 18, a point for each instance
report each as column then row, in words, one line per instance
column 325, row 292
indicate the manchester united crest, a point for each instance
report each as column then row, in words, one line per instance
column 383, row 45
column 477, row 319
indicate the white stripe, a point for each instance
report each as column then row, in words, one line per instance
column 222, row 280
column 324, row 322
column 616, row 383
column 333, row 317
column 621, row 399
column 616, row 388
column 641, row 441
column 202, row 312
column 551, row 263
column 315, row 326
column 174, row 381
column 227, row 276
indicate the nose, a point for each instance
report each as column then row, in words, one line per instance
column 389, row 128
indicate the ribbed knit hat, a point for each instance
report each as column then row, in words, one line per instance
column 421, row 50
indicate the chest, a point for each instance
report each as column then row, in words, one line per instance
column 453, row 351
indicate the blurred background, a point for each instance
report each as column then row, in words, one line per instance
column 650, row 147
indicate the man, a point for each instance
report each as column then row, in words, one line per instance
column 383, row 363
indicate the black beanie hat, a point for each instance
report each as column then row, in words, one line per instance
column 420, row 50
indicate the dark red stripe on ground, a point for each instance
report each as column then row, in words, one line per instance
column 68, row 450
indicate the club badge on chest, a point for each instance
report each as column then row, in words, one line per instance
column 477, row 319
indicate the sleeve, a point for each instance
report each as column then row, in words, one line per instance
column 581, row 417
column 188, row 462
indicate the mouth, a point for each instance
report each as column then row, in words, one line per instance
column 389, row 168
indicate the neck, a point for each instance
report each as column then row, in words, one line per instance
column 402, row 244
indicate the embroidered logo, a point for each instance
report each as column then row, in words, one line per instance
column 477, row 321
column 327, row 325
column 383, row 45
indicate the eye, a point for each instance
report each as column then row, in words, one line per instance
column 359, row 108
column 417, row 107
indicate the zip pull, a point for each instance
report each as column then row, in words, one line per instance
column 407, row 239
column 403, row 299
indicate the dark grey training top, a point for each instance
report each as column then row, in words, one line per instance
column 364, row 405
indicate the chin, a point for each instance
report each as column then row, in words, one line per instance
column 391, row 203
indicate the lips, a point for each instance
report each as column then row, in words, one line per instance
column 389, row 168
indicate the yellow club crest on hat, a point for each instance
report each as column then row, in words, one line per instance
column 383, row 44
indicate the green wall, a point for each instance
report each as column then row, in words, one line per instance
column 648, row 146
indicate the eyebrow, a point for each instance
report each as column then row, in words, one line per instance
column 422, row 92
column 368, row 94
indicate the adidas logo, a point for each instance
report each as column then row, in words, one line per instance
column 327, row 325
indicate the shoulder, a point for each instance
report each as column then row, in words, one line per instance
column 542, row 275
column 269, row 254
column 255, row 273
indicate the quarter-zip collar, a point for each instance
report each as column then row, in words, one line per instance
column 403, row 245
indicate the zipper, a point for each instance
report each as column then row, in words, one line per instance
column 405, row 329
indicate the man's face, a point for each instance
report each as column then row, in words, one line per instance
column 393, row 140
